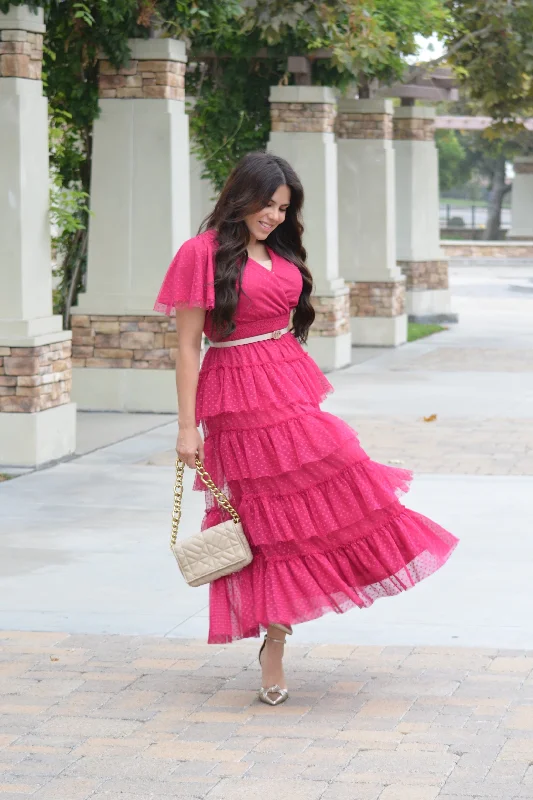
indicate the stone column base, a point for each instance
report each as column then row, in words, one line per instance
column 428, row 297
column 37, row 419
column 329, row 342
column 331, row 352
column 32, row 440
column 128, row 390
column 379, row 331
column 377, row 310
column 430, row 306
column 124, row 362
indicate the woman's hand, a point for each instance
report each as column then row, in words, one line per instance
column 189, row 444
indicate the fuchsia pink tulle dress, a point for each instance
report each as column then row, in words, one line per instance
column 324, row 523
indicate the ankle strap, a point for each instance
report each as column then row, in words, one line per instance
column 271, row 639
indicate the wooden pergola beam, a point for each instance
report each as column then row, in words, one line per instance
column 263, row 52
column 471, row 123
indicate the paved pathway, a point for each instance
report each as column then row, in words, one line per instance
column 131, row 718
column 385, row 703
column 476, row 378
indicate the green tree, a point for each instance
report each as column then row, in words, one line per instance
column 482, row 156
column 491, row 49
column 487, row 155
column 453, row 170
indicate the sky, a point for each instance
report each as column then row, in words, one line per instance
column 429, row 48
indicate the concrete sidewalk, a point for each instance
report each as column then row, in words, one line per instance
column 84, row 545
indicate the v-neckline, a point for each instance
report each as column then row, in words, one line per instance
column 271, row 254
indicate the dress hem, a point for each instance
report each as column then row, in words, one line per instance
column 403, row 552
column 341, row 605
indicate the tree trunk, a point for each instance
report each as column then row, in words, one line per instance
column 80, row 245
column 498, row 190
column 367, row 87
column 364, row 87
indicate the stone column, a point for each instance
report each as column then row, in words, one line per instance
column 522, row 199
column 303, row 119
column 37, row 419
column 367, row 222
column 123, row 352
column 417, row 216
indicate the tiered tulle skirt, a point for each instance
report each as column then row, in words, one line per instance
column 324, row 521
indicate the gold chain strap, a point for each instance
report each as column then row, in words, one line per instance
column 220, row 497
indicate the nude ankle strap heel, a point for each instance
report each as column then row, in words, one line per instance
column 264, row 694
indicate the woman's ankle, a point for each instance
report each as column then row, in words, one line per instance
column 278, row 626
column 276, row 634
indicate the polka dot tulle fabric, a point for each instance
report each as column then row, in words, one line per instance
column 325, row 524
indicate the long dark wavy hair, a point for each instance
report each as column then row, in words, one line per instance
column 249, row 189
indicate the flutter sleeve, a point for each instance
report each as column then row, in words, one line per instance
column 189, row 282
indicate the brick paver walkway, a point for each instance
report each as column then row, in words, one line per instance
column 109, row 717
column 446, row 446
column 474, row 359
column 450, row 445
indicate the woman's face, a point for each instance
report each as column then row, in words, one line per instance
column 262, row 223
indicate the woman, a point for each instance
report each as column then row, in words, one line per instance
column 324, row 523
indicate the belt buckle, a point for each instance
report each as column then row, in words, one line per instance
column 276, row 334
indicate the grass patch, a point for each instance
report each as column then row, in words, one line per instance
column 460, row 202
column 5, row 477
column 417, row 330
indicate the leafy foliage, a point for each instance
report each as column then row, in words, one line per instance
column 495, row 58
column 364, row 40
column 453, row 170
column 228, row 120
column 69, row 210
column 32, row 4
column 237, row 50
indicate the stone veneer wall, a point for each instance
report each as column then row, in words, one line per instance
column 425, row 274
column 21, row 54
column 523, row 167
column 418, row 130
column 128, row 342
column 35, row 378
column 303, row 117
column 372, row 299
column 364, row 126
column 488, row 250
column 160, row 79
column 332, row 315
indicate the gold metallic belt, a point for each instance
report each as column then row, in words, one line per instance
column 261, row 337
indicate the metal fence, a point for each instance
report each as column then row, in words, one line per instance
column 471, row 217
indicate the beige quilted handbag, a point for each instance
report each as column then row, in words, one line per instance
column 212, row 553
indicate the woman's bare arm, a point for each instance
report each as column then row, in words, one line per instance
column 189, row 327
